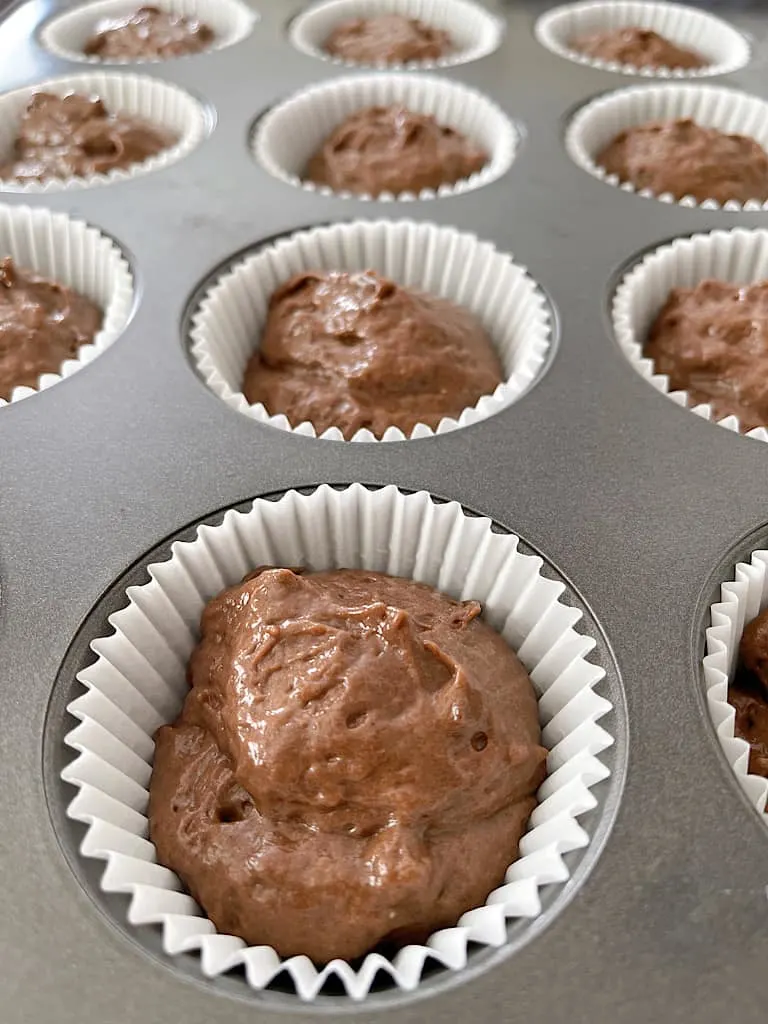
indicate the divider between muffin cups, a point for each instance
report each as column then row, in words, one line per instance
column 66, row 34
column 717, row 41
column 741, row 600
column 738, row 256
column 440, row 260
column 476, row 32
column 161, row 103
column 598, row 123
column 72, row 253
column 292, row 131
column 138, row 683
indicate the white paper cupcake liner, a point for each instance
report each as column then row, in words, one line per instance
column 66, row 35
column 722, row 46
column 138, row 683
column 475, row 32
column 597, row 124
column 738, row 257
column 71, row 253
column 741, row 600
column 162, row 104
column 289, row 134
column 442, row 261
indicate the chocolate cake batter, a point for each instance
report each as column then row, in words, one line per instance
column 684, row 159
column 749, row 693
column 148, row 32
column 712, row 341
column 357, row 350
column 637, row 47
column 76, row 136
column 42, row 324
column 387, row 39
column 391, row 149
column 355, row 762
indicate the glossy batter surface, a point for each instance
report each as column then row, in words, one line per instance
column 638, row 47
column 358, row 351
column 387, row 39
column 148, row 32
column 355, row 762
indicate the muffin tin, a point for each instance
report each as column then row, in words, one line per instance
column 641, row 508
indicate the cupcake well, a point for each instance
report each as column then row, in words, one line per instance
column 228, row 322
column 291, row 132
column 739, row 256
column 475, row 32
column 160, row 103
column 725, row 49
column 598, row 123
column 79, row 256
column 138, row 682
column 66, row 34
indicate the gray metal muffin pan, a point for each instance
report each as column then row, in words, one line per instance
column 643, row 507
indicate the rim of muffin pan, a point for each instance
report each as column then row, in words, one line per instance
column 596, row 819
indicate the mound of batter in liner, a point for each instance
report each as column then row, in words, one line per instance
column 684, row 159
column 357, row 351
column 147, row 33
column 42, row 324
column 637, row 47
column 355, row 762
column 391, row 149
column 712, row 341
column 749, row 693
column 387, row 39
column 76, row 136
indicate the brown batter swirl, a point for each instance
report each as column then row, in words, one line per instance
column 684, row 159
column 391, row 149
column 637, row 47
column 355, row 762
column 42, row 324
column 76, row 136
column 148, row 32
column 712, row 341
column 357, row 351
column 749, row 693
column 387, row 39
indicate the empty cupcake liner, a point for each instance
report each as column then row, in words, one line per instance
column 475, row 32
column 723, row 47
column 66, row 35
column 160, row 103
column 79, row 256
column 138, row 683
column 738, row 256
column 289, row 134
column 599, row 122
column 741, row 599
column 443, row 261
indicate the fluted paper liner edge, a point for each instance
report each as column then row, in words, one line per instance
column 726, row 49
column 739, row 256
column 77, row 255
column 475, row 32
column 741, row 600
column 291, row 132
column 138, row 682
column 443, row 261
column 599, row 122
column 161, row 103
